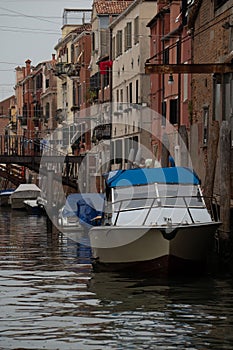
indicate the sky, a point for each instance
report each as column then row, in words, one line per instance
column 29, row 29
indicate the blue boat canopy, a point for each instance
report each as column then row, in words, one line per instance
column 143, row 176
column 86, row 206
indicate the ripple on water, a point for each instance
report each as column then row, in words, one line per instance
column 51, row 299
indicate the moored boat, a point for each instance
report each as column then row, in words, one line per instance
column 23, row 192
column 33, row 208
column 4, row 197
column 158, row 221
column 80, row 212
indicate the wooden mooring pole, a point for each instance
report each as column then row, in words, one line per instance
column 225, row 180
column 50, row 176
column 212, row 155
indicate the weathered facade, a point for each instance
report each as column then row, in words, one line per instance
column 130, row 84
column 48, row 96
column 35, row 93
column 200, row 76
column 7, row 118
column 170, row 93
column 212, row 99
column 70, row 56
column 103, row 13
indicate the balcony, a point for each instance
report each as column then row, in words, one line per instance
column 70, row 70
column 102, row 132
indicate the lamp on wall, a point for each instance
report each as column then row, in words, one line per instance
column 170, row 79
column 227, row 25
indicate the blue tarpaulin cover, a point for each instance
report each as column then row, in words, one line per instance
column 143, row 176
column 86, row 206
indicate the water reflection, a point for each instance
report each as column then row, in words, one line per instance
column 51, row 299
column 193, row 314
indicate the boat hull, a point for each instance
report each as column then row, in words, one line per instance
column 33, row 208
column 22, row 193
column 4, row 197
column 147, row 249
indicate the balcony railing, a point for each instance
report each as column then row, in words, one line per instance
column 67, row 69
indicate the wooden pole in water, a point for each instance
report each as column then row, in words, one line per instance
column 225, row 181
column 49, row 208
column 212, row 153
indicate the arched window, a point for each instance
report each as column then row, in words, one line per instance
column 47, row 108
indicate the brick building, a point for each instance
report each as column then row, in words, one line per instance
column 8, row 115
column 211, row 24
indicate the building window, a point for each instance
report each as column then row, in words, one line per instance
column 106, row 77
column 137, row 92
column 39, row 81
column 173, row 111
column 72, row 53
column 113, row 48
column 121, row 95
column 37, row 110
column 65, row 136
column 119, row 43
column 136, row 30
column 130, row 93
column 128, row 36
column 219, row 3
column 104, row 22
column 47, row 107
column 64, row 96
column 47, row 83
column 178, row 52
column 118, row 151
column 80, row 95
column 166, row 56
column 127, row 94
column 93, row 41
column 164, row 112
column 205, row 124
column 185, row 83
column 25, row 111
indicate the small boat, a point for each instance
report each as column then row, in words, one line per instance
column 80, row 212
column 4, row 197
column 158, row 221
column 22, row 193
column 33, row 208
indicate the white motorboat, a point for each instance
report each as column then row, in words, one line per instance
column 158, row 220
column 22, row 193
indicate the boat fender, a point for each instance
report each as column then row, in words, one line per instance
column 169, row 233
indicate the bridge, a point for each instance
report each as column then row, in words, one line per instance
column 18, row 153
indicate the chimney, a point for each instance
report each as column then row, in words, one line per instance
column 28, row 66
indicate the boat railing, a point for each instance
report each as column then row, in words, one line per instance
column 186, row 202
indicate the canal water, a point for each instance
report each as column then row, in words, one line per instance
column 51, row 299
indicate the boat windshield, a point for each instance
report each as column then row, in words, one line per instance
column 156, row 195
column 158, row 204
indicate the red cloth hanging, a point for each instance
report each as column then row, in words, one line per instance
column 104, row 65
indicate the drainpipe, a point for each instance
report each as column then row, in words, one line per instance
column 179, row 85
column 110, row 100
